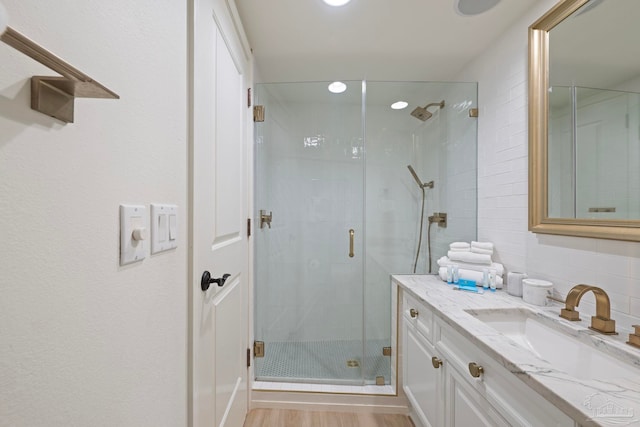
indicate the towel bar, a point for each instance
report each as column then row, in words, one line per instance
column 54, row 96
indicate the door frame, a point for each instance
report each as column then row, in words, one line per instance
column 227, row 18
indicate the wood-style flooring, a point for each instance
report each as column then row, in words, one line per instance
column 292, row 418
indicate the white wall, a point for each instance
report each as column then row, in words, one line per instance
column 501, row 73
column 85, row 342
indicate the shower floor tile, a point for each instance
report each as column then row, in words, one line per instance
column 328, row 362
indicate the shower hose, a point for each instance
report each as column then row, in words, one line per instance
column 415, row 264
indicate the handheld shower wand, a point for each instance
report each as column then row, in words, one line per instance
column 422, row 187
column 420, row 183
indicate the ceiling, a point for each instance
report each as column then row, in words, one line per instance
column 407, row 40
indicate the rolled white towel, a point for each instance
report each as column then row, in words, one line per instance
column 499, row 268
column 460, row 245
column 470, row 257
column 469, row 275
column 481, row 251
column 459, row 250
column 482, row 245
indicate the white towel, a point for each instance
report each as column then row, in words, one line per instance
column 481, row 251
column 459, row 245
column 470, row 257
column 469, row 275
column 499, row 268
column 459, row 250
column 482, row 245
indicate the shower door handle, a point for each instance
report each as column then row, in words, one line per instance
column 351, row 233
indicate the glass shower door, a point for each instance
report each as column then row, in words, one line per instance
column 309, row 261
column 322, row 315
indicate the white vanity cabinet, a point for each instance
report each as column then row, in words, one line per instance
column 464, row 406
column 444, row 393
column 422, row 382
column 508, row 400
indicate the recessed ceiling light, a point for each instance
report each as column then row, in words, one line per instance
column 474, row 7
column 337, row 87
column 336, row 2
column 399, row 105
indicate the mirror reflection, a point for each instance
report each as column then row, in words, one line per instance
column 594, row 113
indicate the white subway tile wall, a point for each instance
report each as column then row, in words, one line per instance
column 311, row 172
column 501, row 73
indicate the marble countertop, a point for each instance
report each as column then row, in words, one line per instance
column 569, row 394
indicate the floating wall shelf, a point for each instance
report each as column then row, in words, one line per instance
column 54, row 96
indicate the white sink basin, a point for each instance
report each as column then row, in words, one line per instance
column 548, row 341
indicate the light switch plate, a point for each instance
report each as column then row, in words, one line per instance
column 164, row 227
column 133, row 248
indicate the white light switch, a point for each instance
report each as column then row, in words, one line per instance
column 133, row 233
column 164, row 227
column 173, row 227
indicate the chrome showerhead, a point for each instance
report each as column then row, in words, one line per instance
column 423, row 114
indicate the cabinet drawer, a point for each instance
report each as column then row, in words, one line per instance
column 422, row 381
column 514, row 400
column 421, row 318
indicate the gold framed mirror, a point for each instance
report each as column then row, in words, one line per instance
column 572, row 188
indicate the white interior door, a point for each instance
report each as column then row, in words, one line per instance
column 219, row 210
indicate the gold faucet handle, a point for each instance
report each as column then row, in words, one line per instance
column 634, row 339
column 605, row 326
column 572, row 315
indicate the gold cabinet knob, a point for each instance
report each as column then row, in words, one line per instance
column 475, row 370
column 436, row 362
column 413, row 313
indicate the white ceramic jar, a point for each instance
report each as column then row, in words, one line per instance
column 514, row 283
column 535, row 291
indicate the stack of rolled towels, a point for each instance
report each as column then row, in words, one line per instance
column 472, row 259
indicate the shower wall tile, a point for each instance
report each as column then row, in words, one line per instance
column 308, row 270
column 501, row 72
column 312, row 194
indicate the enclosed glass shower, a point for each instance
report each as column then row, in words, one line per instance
column 337, row 212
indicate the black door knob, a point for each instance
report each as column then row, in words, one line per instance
column 207, row 280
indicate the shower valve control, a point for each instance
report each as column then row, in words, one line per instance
column 439, row 218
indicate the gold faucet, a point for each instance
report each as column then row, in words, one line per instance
column 634, row 339
column 602, row 321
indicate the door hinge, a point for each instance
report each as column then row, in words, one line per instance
column 386, row 351
column 248, row 97
column 258, row 349
column 473, row 112
column 258, row 113
column 248, row 357
column 248, row 227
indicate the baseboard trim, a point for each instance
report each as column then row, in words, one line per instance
column 330, row 402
